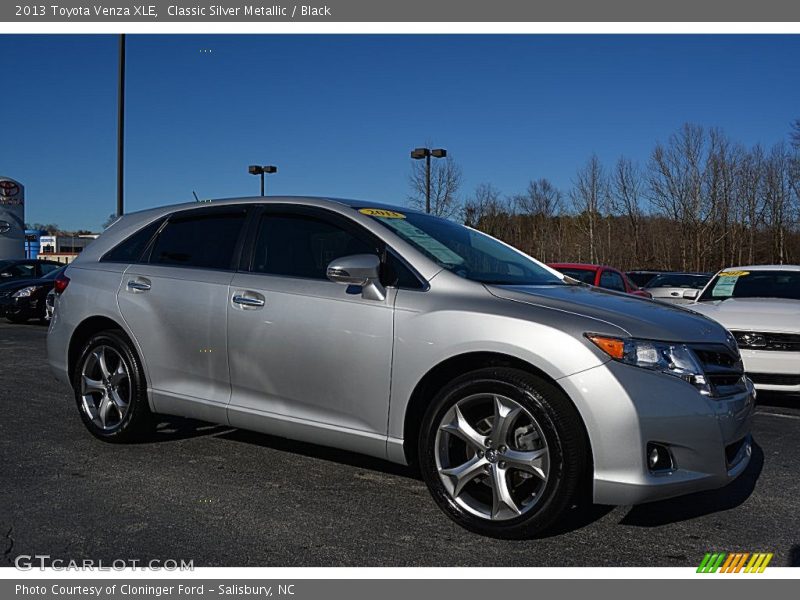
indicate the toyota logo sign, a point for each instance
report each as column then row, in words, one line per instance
column 5, row 227
column 8, row 188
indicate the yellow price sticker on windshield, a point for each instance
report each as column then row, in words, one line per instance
column 734, row 273
column 381, row 213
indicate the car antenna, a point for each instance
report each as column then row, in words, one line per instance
column 196, row 199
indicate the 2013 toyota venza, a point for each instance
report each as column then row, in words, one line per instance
column 404, row 336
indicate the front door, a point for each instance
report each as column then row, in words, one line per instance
column 309, row 358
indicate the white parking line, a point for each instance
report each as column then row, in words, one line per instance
column 781, row 415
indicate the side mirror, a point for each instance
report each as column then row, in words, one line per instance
column 359, row 269
column 690, row 294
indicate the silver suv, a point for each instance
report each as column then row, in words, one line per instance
column 407, row 337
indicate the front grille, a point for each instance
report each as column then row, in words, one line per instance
column 763, row 340
column 774, row 378
column 5, row 294
column 722, row 367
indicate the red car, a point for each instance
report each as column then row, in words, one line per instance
column 601, row 276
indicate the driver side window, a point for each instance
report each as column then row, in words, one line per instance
column 302, row 246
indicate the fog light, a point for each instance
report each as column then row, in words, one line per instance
column 659, row 458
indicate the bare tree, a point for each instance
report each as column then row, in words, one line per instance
column 778, row 196
column 539, row 207
column 626, row 199
column 589, row 195
column 795, row 134
column 445, row 182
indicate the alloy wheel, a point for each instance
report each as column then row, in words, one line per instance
column 492, row 456
column 105, row 387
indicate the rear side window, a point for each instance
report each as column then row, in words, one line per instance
column 300, row 246
column 48, row 267
column 131, row 250
column 206, row 240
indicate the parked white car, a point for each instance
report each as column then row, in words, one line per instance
column 671, row 287
column 760, row 305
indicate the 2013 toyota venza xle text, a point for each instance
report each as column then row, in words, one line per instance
column 403, row 336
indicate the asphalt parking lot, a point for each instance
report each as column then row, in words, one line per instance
column 226, row 497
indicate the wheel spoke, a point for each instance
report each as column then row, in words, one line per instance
column 505, row 413
column 503, row 505
column 461, row 475
column 103, row 409
column 119, row 375
column 530, row 461
column 100, row 355
column 456, row 424
column 91, row 386
column 117, row 400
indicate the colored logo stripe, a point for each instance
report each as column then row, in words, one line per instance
column 734, row 562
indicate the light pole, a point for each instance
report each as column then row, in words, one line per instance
column 121, row 127
column 259, row 170
column 426, row 153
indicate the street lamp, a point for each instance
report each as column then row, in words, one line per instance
column 426, row 153
column 259, row 170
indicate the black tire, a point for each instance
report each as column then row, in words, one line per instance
column 559, row 424
column 137, row 422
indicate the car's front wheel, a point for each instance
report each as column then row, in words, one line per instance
column 503, row 452
column 110, row 390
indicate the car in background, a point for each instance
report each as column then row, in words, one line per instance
column 643, row 277
column 672, row 287
column 760, row 306
column 600, row 276
column 25, row 299
column 50, row 304
column 24, row 268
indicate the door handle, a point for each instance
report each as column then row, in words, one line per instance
column 138, row 285
column 248, row 301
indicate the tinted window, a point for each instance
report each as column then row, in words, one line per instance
column 205, row 240
column 399, row 275
column 48, row 267
column 612, row 281
column 299, row 246
column 582, row 275
column 131, row 250
column 19, row 270
column 679, row 280
column 55, row 272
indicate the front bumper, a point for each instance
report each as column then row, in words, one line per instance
column 22, row 307
column 773, row 370
column 626, row 407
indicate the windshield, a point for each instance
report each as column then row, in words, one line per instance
column 679, row 280
column 464, row 251
column 753, row 284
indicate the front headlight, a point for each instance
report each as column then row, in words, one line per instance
column 665, row 357
column 25, row 292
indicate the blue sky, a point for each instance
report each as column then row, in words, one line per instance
column 339, row 114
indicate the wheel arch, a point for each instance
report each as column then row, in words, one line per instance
column 455, row 366
column 84, row 331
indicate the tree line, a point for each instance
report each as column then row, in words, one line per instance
column 699, row 202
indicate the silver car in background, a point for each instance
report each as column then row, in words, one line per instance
column 677, row 288
column 400, row 335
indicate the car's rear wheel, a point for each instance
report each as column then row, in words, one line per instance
column 110, row 391
column 503, row 452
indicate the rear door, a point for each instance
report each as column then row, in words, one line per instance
column 175, row 305
column 304, row 350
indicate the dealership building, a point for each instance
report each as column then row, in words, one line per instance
column 61, row 248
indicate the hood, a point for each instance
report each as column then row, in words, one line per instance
column 754, row 314
column 638, row 317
